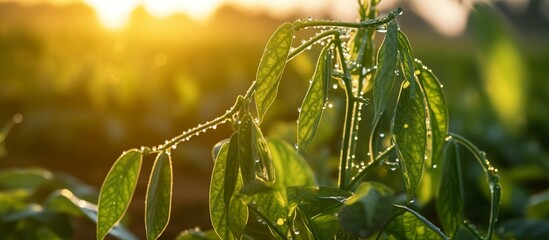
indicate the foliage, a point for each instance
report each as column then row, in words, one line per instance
column 38, row 204
column 263, row 188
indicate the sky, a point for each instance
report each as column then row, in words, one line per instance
column 448, row 17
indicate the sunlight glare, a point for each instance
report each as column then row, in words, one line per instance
column 197, row 10
column 113, row 14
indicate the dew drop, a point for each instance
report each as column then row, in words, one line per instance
column 448, row 138
column 405, row 125
column 330, row 105
column 411, row 201
column 296, row 231
column 382, row 135
column 334, row 86
column 280, row 221
column 309, row 18
column 434, row 166
column 299, row 109
column 381, row 30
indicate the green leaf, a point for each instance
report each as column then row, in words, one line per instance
column 253, row 154
column 407, row 226
column 117, row 191
column 313, row 104
column 438, row 110
column 217, row 147
column 158, row 200
column 406, row 58
column 319, row 206
column 294, row 170
column 197, row 234
column 386, row 66
column 368, row 210
column 449, row 201
column 269, row 200
column 64, row 201
column 271, row 67
column 231, row 173
column 410, row 136
column 228, row 220
column 537, row 205
column 32, row 178
column 272, row 208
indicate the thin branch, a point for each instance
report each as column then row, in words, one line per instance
column 370, row 23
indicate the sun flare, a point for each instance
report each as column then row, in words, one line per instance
column 115, row 14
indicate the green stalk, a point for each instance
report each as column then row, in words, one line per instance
column 493, row 180
column 360, row 176
column 424, row 220
column 370, row 23
column 310, row 42
column 345, row 161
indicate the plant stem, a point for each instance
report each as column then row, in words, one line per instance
column 360, row 176
column 424, row 220
column 493, row 180
column 201, row 127
column 310, row 42
column 370, row 23
column 266, row 219
column 345, row 161
column 472, row 230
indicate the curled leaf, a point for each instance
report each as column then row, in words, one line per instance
column 271, row 67
column 386, row 66
column 314, row 102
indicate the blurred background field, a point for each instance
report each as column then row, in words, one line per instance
column 87, row 90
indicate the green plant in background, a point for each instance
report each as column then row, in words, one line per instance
column 4, row 132
column 263, row 188
column 38, row 204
